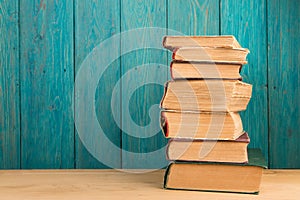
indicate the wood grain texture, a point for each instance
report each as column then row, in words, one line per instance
column 36, row 122
column 9, row 85
column 111, row 184
column 284, row 83
column 246, row 20
column 96, row 21
column 194, row 17
column 47, row 77
column 142, row 14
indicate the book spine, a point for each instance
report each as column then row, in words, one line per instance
column 167, row 175
column 171, row 70
column 174, row 53
column 164, row 43
column 164, row 124
column 164, row 95
column 167, row 149
column 173, row 56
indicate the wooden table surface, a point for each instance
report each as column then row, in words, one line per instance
column 113, row 184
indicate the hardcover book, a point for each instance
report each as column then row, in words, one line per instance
column 206, row 95
column 209, row 54
column 214, row 176
column 207, row 70
column 207, row 150
column 175, row 42
column 201, row 125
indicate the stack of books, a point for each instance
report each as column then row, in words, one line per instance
column 200, row 115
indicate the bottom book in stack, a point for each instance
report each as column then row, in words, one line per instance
column 217, row 176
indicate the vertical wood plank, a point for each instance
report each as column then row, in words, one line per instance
column 194, row 17
column 246, row 20
column 138, row 144
column 9, row 85
column 284, row 83
column 96, row 21
column 47, row 76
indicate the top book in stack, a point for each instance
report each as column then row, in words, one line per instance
column 176, row 42
column 205, row 56
column 224, row 49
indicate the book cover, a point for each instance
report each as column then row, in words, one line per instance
column 215, row 176
column 206, row 95
column 204, row 70
column 209, row 54
column 209, row 150
column 201, row 125
column 224, row 41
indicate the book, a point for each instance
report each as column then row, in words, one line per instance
column 208, row 150
column 209, row 54
column 201, row 125
column 175, row 42
column 206, row 95
column 201, row 70
column 213, row 176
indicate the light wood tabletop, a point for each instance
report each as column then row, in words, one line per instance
column 114, row 184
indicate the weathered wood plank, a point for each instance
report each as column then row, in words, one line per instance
column 112, row 185
column 194, row 17
column 246, row 20
column 142, row 147
column 284, row 83
column 47, row 77
column 9, row 86
column 96, row 21
column 47, row 74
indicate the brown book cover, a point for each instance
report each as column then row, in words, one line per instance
column 224, row 41
column 216, row 176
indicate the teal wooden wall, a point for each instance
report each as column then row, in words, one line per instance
column 44, row 43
